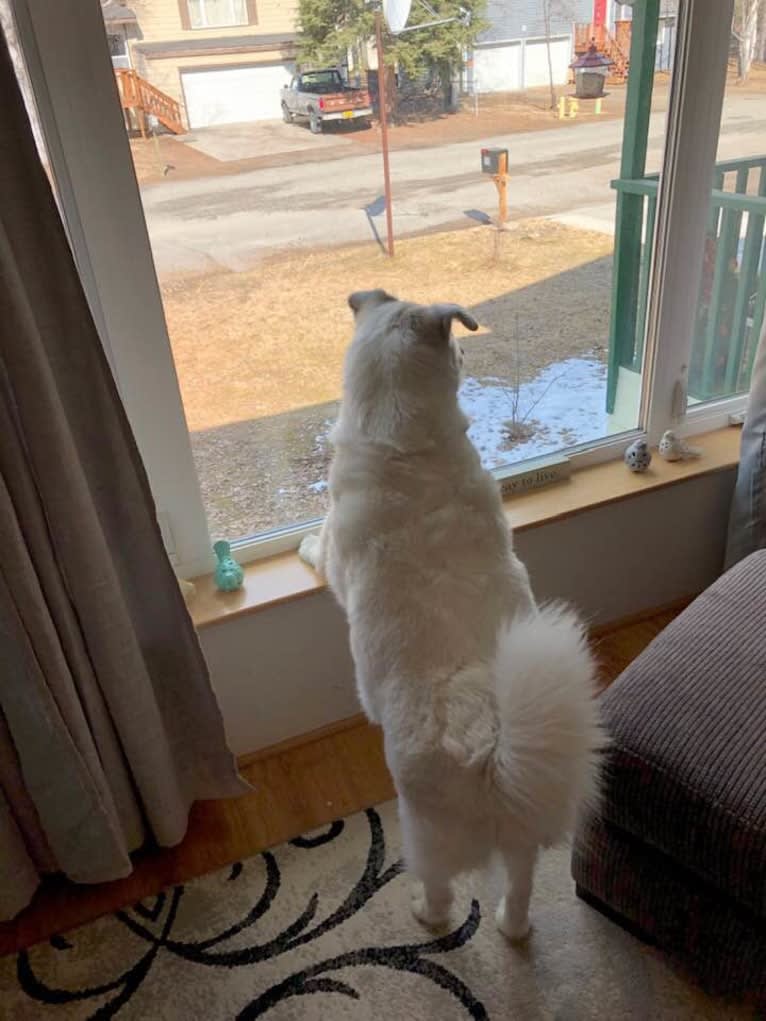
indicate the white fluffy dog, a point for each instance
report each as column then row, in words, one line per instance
column 486, row 701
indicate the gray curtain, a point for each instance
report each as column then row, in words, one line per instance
column 109, row 728
column 747, row 521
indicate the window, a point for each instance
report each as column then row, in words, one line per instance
column 321, row 81
column 216, row 13
column 118, row 49
column 730, row 303
column 230, row 362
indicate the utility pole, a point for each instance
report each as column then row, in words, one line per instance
column 384, row 131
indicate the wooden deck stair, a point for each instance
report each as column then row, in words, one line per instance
column 615, row 47
column 140, row 99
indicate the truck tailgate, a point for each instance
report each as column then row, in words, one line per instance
column 351, row 100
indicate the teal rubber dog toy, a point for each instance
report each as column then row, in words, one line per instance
column 228, row 574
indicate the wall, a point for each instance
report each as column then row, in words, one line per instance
column 160, row 20
column 624, row 12
column 287, row 670
column 513, row 19
column 520, row 64
column 536, row 62
column 165, row 73
column 497, row 68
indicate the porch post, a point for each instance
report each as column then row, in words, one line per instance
column 630, row 208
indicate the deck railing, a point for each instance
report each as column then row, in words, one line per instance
column 732, row 295
column 142, row 98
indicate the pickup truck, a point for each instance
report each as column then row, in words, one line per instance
column 321, row 96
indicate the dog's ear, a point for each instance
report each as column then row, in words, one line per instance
column 368, row 299
column 434, row 322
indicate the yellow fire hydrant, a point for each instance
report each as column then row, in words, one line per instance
column 568, row 107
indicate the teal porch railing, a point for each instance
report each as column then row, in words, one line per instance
column 732, row 292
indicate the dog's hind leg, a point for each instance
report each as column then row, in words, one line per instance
column 513, row 911
column 431, row 903
column 432, row 896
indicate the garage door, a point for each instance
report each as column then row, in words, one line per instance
column 235, row 94
column 536, row 62
column 497, row 68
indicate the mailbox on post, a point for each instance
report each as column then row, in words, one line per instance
column 492, row 161
column 495, row 162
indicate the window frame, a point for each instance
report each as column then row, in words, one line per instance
column 72, row 77
column 694, row 119
column 71, row 73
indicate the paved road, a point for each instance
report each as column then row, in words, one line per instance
column 231, row 222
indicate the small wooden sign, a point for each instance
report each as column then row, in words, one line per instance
column 535, row 474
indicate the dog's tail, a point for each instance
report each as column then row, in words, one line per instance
column 550, row 739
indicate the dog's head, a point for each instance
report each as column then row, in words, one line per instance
column 403, row 369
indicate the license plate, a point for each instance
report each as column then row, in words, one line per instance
column 348, row 114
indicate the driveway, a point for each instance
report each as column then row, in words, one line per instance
column 233, row 142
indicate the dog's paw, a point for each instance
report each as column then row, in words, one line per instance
column 512, row 927
column 431, row 915
column 308, row 550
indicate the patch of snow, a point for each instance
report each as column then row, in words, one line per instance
column 566, row 403
column 562, row 406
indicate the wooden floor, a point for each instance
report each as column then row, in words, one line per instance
column 296, row 789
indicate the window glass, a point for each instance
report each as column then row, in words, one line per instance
column 217, row 13
column 263, row 219
column 266, row 208
column 732, row 291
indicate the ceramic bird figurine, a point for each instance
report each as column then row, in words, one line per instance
column 228, row 574
column 638, row 457
column 673, row 448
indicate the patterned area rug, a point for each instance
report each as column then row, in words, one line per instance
column 321, row 929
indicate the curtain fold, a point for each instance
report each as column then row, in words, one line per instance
column 109, row 728
column 747, row 519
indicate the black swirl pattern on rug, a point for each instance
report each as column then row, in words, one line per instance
column 154, row 924
column 319, row 839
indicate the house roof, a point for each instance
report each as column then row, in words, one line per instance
column 117, row 14
column 211, row 46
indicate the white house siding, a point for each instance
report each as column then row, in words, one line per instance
column 536, row 61
column 519, row 64
column 519, row 19
column 497, row 67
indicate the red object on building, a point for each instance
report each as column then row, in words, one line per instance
column 599, row 13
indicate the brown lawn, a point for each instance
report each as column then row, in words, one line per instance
column 259, row 353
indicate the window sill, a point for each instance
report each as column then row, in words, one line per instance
column 281, row 579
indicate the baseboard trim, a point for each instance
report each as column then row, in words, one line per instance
column 311, row 736
column 359, row 719
column 674, row 606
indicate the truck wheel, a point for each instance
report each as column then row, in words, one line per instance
column 287, row 117
column 315, row 123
